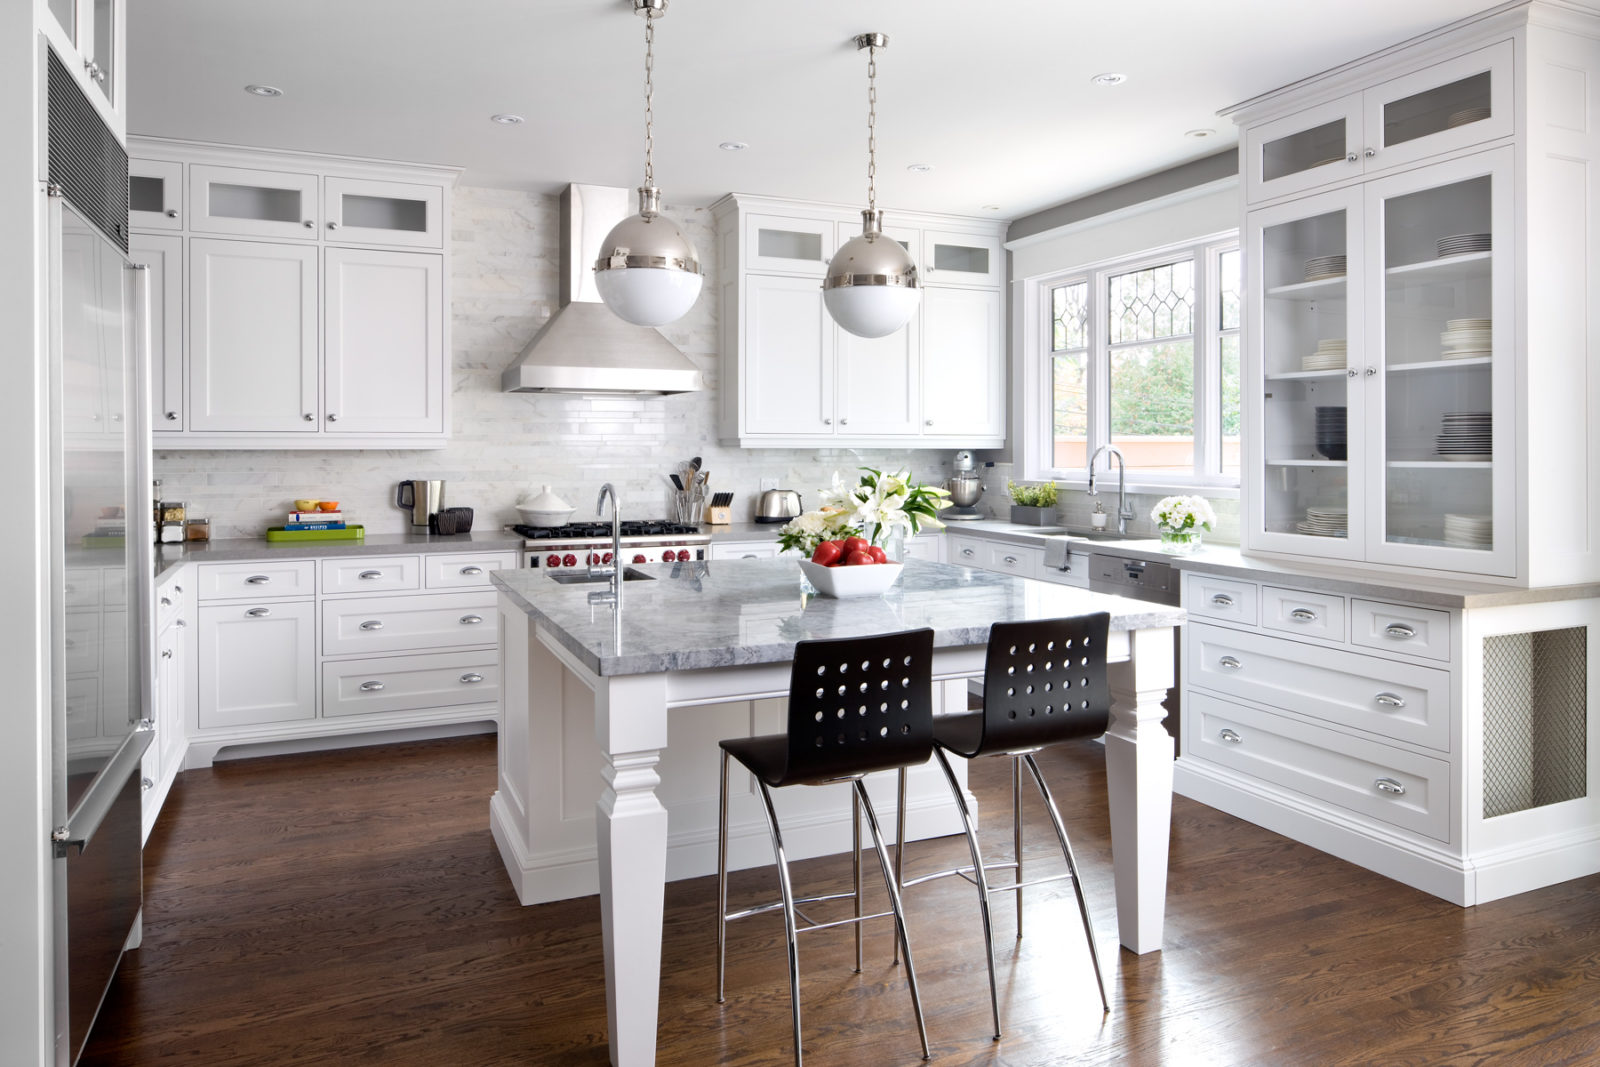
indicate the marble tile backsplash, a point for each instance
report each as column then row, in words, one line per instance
column 504, row 446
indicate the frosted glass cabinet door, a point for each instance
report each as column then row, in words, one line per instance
column 369, row 212
column 1304, row 336
column 790, row 245
column 155, row 194
column 789, row 349
column 1440, row 463
column 384, row 366
column 252, row 336
column 252, row 203
column 1303, row 151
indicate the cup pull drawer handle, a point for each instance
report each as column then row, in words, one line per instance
column 259, row 613
column 166, row 602
column 472, row 571
column 1231, row 737
column 368, row 576
column 1389, row 700
column 1222, row 600
column 471, row 679
column 1399, row 630
column 1011, row 560
column 1303, row 615
column 1390, row 786
column 471, row 620
column 1230, row 663
column 257, row 579
column 372, row 687
column 967, row 552
column 372, row 624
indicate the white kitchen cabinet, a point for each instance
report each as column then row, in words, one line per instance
column 1462, row 304
column 384, row 367
column 1443, row 107
column 370, row 574
column 257, row 663
column 371, row 625
column 332, row 335
column 170, row 693
column 409, row 683
column 88, row 37
column 252, row 336
column 365, row 211
column 162, row 257
column 792, row 378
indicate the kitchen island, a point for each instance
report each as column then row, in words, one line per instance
column 707, row 646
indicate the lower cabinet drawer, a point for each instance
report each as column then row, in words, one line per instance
column 967, row 551
column 1398, row 628
column 406, row 623
column 407, row 683
column 1393, row 700
column 1013, row 559
column 256, row 581
column 468, row 571
column 1306, row 614
column 1401, row 788
column 1219, row 598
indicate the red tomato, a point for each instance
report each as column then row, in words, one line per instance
column 878, row 554
column 859, row 558
column 854, row 544
column 827, row 553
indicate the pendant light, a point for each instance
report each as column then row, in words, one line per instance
column 648, row 272
column 871, row 287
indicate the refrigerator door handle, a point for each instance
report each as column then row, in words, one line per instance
column 92, row 809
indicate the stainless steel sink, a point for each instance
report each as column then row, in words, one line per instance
column 585, row 578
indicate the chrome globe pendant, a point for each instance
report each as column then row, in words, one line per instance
column 871, row 287
column 648, row 272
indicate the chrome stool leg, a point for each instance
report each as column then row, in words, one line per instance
column 1016, row 832
column 790, row 933
column 899, row 919
column 1072, row 866
column 982, row 880
column 900, row 848
column 722, row 879
column 855, row 866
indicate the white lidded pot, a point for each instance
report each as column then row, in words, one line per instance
column 546, row 509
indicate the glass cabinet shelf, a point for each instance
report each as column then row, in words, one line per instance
column 1310, row 463
column 1444, row 270
column 1441, row 464
column 1302, row 375
column 1440, row 364
column 1322, row 287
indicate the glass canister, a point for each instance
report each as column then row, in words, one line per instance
column 197, row 529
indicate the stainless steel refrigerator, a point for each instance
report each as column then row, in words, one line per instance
column 100, row 569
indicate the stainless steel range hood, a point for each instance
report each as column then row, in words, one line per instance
column 584, row 348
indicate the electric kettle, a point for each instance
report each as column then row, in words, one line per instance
column 423, row 498
column 777, row 505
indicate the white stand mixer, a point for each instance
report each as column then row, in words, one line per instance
column 965, row 488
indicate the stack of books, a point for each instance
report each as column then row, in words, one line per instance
column 315, row 520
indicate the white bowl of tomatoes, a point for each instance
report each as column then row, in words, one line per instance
column 850, row 568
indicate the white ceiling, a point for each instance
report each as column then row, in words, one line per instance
column 995, row 95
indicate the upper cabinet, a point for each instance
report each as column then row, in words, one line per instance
column 312, row 298
column 793, row 378
column 88, row 36
column 1418, row 342
column 1444, row 107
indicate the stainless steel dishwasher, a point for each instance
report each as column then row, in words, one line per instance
column 1139, row 579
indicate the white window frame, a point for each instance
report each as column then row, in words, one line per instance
column 1035, row 444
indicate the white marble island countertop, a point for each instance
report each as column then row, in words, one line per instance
column 726, row 613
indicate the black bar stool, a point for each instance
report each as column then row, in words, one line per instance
column 856, row 705
column 1044, row 682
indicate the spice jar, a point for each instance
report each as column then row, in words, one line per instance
column 197, row 529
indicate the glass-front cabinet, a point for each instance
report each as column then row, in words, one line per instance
column 1382, row 339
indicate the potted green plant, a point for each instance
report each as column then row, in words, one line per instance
column 1033, row 505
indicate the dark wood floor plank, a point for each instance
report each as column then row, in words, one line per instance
column 351, row 908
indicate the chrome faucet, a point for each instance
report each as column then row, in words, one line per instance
column 1124, row 512
column 615, row 570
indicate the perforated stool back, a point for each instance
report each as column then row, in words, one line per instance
column 1044, row 681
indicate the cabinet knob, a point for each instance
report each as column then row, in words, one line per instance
column 844, row 422
column 259, row 613
column 471, row 679
column 1390, row 786
column 166, row 653
column 308, row 224
column 332, row 417
column 372, row 687
column 1351, row 373
column 372, row 624
column 471, row 620
column 309, row 417
column 1371, row 371
column 1229, row 663
column 145, row 785
column 827, row 421
column 172, row 416
column 1389, row 700
column 179, row 623
column 333, row 225
column 1231, row 737
column 172, row 212
column 928, row 422
column 1369, row 153
column 1351, row 158
column 166, row 602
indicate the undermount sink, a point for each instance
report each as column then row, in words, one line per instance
column 1097, row 535
column 585, row 578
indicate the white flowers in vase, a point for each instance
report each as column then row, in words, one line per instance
column 878, row 507
column 1179, row 513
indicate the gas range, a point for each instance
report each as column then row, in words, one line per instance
column 578, row 545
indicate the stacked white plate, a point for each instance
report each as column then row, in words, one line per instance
column 1461, row 244
column 1466, row 115
column 1325, row 522
column 1465, row 338
column 1465, row 436
column 1330, row 355
column 1468, row 531
column 1325, row 267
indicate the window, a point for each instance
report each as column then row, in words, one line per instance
column 1142, row 354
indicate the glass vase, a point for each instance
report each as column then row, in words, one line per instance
column 893, row 542
column 1180, row 542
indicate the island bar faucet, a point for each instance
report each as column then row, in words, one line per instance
column 615, row 570
column 1124, row 512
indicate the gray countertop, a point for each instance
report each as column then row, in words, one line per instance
column 258, row 548
column 728, row 613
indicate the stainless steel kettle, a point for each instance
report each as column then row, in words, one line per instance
column 423, row 498
column 777, row 505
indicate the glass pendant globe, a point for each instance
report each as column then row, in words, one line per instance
column 871, row 310
column 871, row 287
column 648, row 272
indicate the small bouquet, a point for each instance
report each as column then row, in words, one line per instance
column 1180, row 520
column 876, row 508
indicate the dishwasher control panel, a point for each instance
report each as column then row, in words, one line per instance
column 1131, row 577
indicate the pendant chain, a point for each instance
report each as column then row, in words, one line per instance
column 649, row 98
column 872, row 128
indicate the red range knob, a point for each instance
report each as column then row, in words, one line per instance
column 683, row 555
column 570, row 560
column 638, row 557
column 552, row 560
column 591, row 558
column 606, row 558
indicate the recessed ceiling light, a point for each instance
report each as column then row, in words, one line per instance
column 507, row 120
column 1199, row 133
column 733, row 146
column 1109, row 78
column 920, row 168
column 263, row 90
column 991, row 207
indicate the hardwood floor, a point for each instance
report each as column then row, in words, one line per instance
column 350, row 907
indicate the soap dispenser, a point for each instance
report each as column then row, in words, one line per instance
column 1098, row 519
